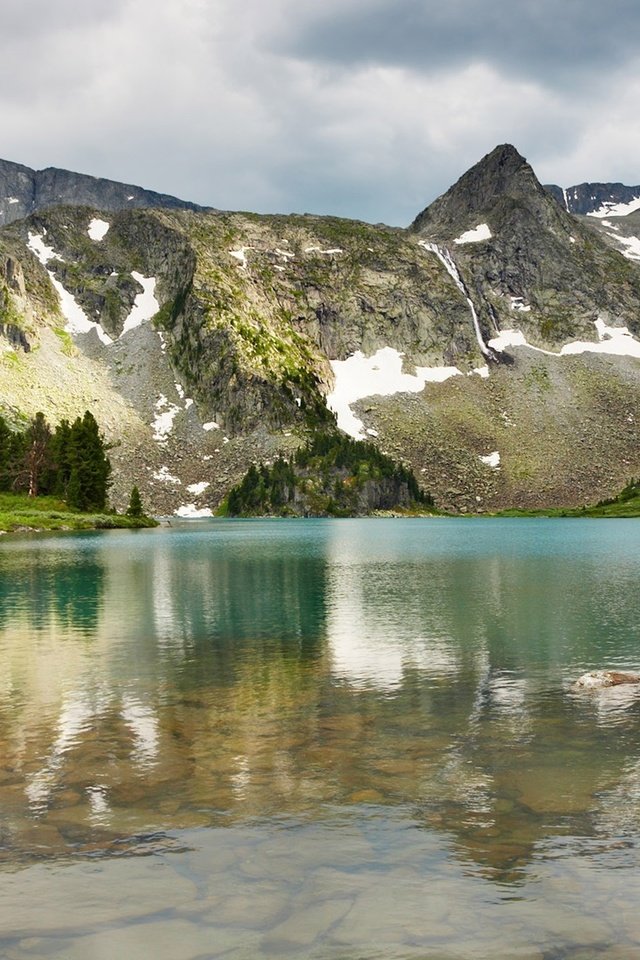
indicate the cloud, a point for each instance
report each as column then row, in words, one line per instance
column 325, row 108
column 539, row 39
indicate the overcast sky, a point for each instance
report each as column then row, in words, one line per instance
column 362, row 108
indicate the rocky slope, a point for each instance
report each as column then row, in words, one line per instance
column 596, row 198
column 483, row 345
column 24, row 191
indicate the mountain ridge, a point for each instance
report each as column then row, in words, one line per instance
column 24, row 191
column 262, row 322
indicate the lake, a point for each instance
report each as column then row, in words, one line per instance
column 329, row 739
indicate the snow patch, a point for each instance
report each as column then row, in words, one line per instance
column 77, row 320
column 44, row 253
column 212, row 425
column 197, row 488
column 189, row 511
column 380, row 375
column 491, row 460
column 241, row 256
column 329, row 252
column 617, row 341
column 13, row 200
column 163, row 475
column 98, row 229
column 145, row 304
column 508, row 338
column 517, row 303
column 480, row 372
column 163, row 423
column 632, row 244
column 479, row 233
column 611, row 209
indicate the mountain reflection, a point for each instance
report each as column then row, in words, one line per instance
column 42, row 587
column 262, row 670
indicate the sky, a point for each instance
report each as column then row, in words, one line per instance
column 359, row 108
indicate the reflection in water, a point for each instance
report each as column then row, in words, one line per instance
column 45, row 587
column 362, row 679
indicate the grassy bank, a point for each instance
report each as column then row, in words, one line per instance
column 19, row 512
column 625, row 505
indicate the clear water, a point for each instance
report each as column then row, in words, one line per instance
column 324, row 739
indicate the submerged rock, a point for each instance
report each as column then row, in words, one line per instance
column 596, row 679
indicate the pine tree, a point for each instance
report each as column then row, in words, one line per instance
column 89, row 460
column 135, row 504
column 61, row 452
column 6, row 453
column 37, row 462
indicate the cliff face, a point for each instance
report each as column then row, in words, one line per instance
column 204, row 341
column 590, row 198
column 538, row 264
column 24, row 191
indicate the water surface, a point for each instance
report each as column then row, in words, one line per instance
column 324, row 739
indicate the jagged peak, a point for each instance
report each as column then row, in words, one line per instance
column 502, row 172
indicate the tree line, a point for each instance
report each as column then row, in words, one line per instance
column 329, row 470
column 69, row 461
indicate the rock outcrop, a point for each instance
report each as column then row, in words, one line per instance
column 205, row 341
column 24, row 191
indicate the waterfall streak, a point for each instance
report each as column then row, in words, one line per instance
column 448, row 262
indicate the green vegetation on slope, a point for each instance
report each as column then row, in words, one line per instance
column 625, row 505
column 58, row 479
column 70, row 461
column 331, row 475
column 20, row 512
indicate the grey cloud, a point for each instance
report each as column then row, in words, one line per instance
column 549, row 40
column 28, row 19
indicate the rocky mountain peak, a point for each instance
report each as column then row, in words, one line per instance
column 502, row 173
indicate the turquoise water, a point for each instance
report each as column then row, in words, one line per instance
column 324, row 739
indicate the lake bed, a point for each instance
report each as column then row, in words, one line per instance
column 323, row 739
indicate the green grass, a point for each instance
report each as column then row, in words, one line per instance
column 621, row 509
column 19, row 512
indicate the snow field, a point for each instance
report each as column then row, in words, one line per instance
column 610, row 209
column 145, row 304
column 479, row 233
column 358, row 377
column 77, row 320
column 98, row 229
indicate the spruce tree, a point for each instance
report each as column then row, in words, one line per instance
column 135, row 504
column 89, row 461
column 34, row 470
column 6, row 453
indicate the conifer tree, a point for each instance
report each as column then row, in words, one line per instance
column 89, row 461
column 6, row 451
column 35, row 468
column 61, row 452
column 135, row 504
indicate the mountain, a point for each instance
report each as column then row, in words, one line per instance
column 24, row 191
column 597, row 199
column 534, row 257
column 486, row 346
